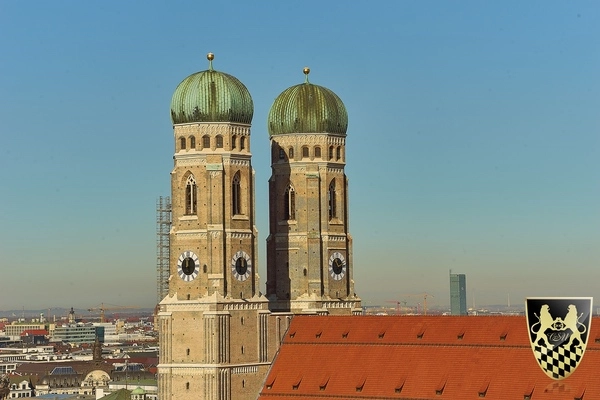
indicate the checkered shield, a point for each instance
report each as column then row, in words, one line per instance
column 558, row 332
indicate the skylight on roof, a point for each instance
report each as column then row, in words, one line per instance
column 63, row 371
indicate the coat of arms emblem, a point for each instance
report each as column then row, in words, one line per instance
column 558, row 332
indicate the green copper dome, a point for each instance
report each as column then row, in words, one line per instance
column 138, row 390
column 307, row 108
column 211, row 96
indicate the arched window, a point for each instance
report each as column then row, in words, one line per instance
column 281, row 154
column 236, row 195
column 331, row 199
column 304, row 151
column 219, row 142
column 289, row 207
column 190, row 195
column 317, row 152
column 291, row 152
column 192, row 142
column 233, row 142
column 338, row 153
column 331, row 152
column 182, row 143
column 242, row 143
column 206, row 142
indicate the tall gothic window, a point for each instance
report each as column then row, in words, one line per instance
column 331, row 199
column 290, row 203
column 236, row 194
column 190, row 195
column 219, row 142
column 242, row 143
column 331, row 152
column 182, row 143
column 281, row 154
column 304, row 151
column 338, row 153
column 317, row 152
column 206, row 142
column 233, row 142
column 192, row 142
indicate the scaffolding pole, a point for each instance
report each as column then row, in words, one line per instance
column 163, row 227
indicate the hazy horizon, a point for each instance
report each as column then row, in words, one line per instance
column 473, row 141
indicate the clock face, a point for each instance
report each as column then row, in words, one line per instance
column 241, row 266
column 337, row 266
column 188, row 266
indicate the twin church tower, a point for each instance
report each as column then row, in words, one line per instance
column 218, row 332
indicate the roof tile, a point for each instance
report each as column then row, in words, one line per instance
column 493, row 359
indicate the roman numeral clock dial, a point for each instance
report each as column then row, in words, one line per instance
column 188, row 266
column 337, row 266
column 241, row 266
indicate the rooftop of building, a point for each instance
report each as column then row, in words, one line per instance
column 420, row 357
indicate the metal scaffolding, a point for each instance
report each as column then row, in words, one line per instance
column 163, row 227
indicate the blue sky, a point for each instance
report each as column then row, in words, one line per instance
column 473, row 140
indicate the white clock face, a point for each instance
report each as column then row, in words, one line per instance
column 241, row 266
column 188, row 266
column 337, row 266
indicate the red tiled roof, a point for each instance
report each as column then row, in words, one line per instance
column 35, row 332
column 43, row 368
column 420, row 357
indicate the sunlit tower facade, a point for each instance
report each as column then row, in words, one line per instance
column 213, row 322
column 309, row 248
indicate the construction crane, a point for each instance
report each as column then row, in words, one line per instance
column 424, row 296
column 103, row 310
column 425, row 301
column 397, row 302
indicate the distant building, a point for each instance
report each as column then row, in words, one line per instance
column 15, row 329
column 7, row 367
column 110, row 331
column 20, row 387
column 458, row 294
column 35, row 337
column 78, row 334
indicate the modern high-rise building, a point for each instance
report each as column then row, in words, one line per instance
column 78, row 334
column 458, row 294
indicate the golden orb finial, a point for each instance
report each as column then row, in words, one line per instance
column 306, row 71
column 210, row 57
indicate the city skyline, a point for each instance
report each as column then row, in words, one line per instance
column 472, row 144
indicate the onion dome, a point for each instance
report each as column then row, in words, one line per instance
column 307, row 108
column 211, row 96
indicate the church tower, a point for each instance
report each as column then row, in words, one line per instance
column 309, row 247
column 213, row 323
